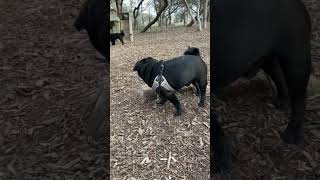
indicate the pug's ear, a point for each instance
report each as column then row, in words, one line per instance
column 189, row 47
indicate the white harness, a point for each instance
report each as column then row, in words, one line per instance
column 164, row 83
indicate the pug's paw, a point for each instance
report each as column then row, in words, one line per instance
column 161, row 101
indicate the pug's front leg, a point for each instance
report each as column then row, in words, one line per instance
column 196, row 84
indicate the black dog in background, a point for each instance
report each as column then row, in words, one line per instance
column 93, row 18
column 167, row 77
column 115, row 36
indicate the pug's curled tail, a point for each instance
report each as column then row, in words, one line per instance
column 192, row 51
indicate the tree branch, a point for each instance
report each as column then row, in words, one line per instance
column 136, row 10
column 157, row 17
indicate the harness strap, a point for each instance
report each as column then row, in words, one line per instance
column 160, row 76
column 160, row 80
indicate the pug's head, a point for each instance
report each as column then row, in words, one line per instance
column 141, row 64
column 144, row 68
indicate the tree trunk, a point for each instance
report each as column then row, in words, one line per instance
column 157, row 17
column 135, row 24
column 142, row 19
column 149, row 21
column 188, row 8
column 184, row 18
column 192, row 22
column 208, row 15
column 169, row 13
column 136, row 14
column 198, row 16
column 205, row 13
column 160, row 20
column 119, row 6
column 157, row 10
column 121, row 3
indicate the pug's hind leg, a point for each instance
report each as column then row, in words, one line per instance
column 162, row 99
column 196, row 84
column 173, row 99
column 202, row 87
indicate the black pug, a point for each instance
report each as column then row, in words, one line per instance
column 167, row 77
column 92, row 18
column 115, row 36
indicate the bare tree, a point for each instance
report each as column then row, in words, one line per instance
column 188, row 8
column 174, row 6
column 119, row 4
column 198, row 15
column 169, row 12
column 136, row 11
column 208, row 14
column 201, row 13
column 164, row 6
column 157, row 7
column 190, row 12
column 205, row 13
column 184, row 18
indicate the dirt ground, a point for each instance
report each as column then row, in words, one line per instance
column 144, row 136
column 48, row 70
